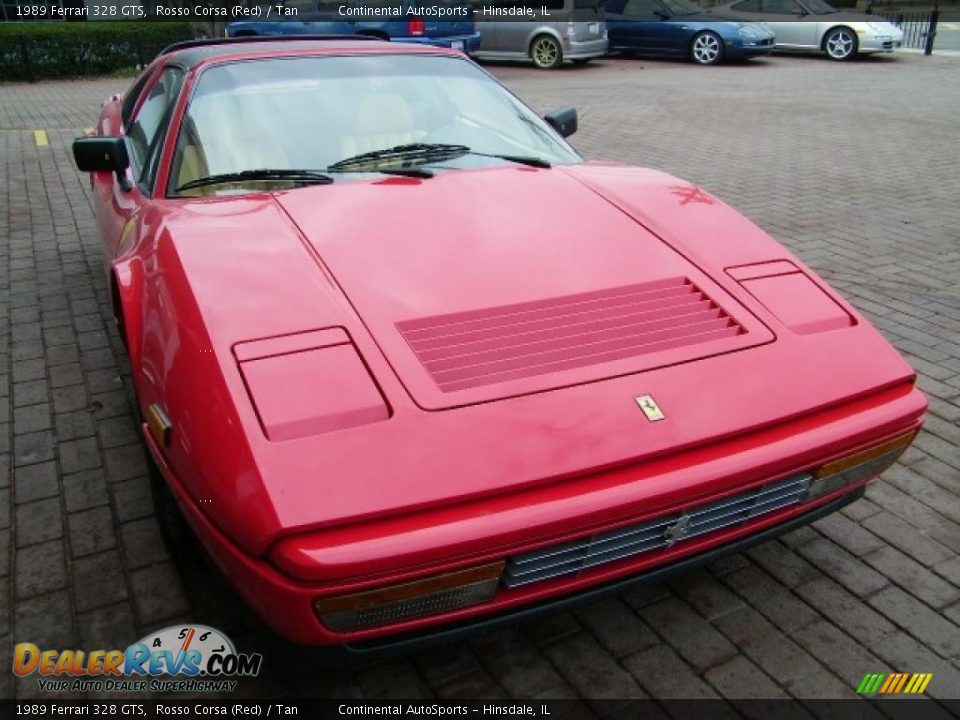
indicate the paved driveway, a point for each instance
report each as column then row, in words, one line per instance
column 854, row 166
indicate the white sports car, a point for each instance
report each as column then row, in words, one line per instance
column 813, row 25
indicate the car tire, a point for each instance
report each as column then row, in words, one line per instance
column 840, row 44
column 546, row 53
column 706, row 48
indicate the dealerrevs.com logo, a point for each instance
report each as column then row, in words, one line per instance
column 192, row 658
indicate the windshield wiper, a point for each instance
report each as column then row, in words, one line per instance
column 306, row 177
column 520, row 159
column 410, row 155
column 414, row 172
column 407, row 155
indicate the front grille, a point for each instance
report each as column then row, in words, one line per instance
column 480, row 347
column 573, row 557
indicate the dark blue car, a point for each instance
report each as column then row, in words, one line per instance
column 445, row 23
column 679, row 28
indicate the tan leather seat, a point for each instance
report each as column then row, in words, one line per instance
column 382, row 121
column 192, row 165
column 251, row 152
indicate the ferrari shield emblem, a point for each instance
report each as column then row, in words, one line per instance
column 678, row 531
column 650, row 408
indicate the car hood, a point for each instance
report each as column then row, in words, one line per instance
column 232, row 282
column 487, row 284
column 718, row 21
column 705, row 16
column 842, row 16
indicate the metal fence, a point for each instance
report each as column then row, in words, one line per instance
column 919, row 29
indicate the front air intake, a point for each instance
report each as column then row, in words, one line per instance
column 575, row 556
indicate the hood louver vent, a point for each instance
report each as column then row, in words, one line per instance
column 482, row 347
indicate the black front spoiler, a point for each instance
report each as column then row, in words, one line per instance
column 413, row 641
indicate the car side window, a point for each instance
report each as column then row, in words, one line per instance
column 747, row 6
column 640, row 9
column 145, row 132
column 783, row 7
column 131, row 96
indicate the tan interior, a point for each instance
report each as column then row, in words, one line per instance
column 382, row 120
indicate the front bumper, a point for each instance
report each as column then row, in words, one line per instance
column 748, row 47
column 410, row 642
column 873, row 43
column 277, row 589
column 887, row 46
column 756, row 49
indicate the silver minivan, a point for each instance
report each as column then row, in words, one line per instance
column 576, row 31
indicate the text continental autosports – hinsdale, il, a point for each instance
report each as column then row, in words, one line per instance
column 510, row 710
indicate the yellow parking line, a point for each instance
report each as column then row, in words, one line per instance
column 40, row 136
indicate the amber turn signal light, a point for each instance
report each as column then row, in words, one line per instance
column 159, row 425
column 861, row 465
column 420, row 598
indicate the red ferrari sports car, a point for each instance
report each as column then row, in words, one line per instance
column 408, row 365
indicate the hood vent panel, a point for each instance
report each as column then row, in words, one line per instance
column 482, row 347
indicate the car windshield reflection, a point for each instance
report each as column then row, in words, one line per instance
column 311, row 112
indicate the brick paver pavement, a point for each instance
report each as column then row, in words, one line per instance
column 854, row 166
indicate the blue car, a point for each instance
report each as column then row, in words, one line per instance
column 679, row 28
column 447, row 23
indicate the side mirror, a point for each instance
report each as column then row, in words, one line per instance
column 563, row 120
column 93, row 154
